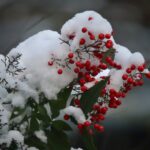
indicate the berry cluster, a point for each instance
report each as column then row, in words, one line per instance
column 87, row 62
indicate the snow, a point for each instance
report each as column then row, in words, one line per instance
column 76, row 148
column 41, row 135
column 39, row 77
column 74, row 26
column 77, row 113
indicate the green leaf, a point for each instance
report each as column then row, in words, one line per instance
column 88, row 140
column 43, row 115
column 57, row 140
column 61, row 125
column 90, row 97
column 110, row 53
column 35, row 142
column 34, row 125
column 60, row 103
column 17, row 111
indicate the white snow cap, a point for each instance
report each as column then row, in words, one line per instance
column 36, row 52
column 77, row 113
column 93, row 21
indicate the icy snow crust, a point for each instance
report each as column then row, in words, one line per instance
column 39, row 77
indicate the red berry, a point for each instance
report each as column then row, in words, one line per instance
column 140, row 68
column 71, row 61
column 76, row 70
column 118, row 102
column 82, row 81
column 109, row 44
column 147, row 75
column 108, row 59
column 96, row 107
column 130, row 80
column 87, row 123
column 125, row 77
column 90, row 18
column 70, row 55
column 101, row 117
column 80, row 126
column 103, row 110
column 66, row 117
column 107, row 36
column 82, row 41
column 84, row 29
column 133, row 67
column 84, row 88
column 50, row 63
column 103, row 66
column 101, row 36
column 60, row 71
column 77, row 102
column 101, row 128
column 92, row 37
column 128, row 70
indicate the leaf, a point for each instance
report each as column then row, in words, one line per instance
column 17, row 111
column 88, row 140
column 60, row 103
column 90, row 97
column 60, row 125
column 110, row 53
column 57, row 140
column 34, row 125
column 35, row 142
column 43, row 115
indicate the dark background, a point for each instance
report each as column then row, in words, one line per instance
column 128, row 127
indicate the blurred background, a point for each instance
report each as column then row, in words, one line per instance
column 128, row 127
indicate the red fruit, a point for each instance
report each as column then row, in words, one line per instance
column 96, row 126
column 107, row 36
column 88, row 63
column 66, row 117
column 84, row 29
column 101, row 128
column 80, row 126
column 77, row 102
column 70, row 55
column 82, row 81
column 108, row 59
column 118, row 102
column 60, row 71
column 82, row 41
column 128, row 70
column 50, row 63
column 147, row 75
column 118, row 66
column 71, row 37
column 125, row 77
column 87, row 123
column 92, row 37
column 133, row 67
column 84, row 88
column 103, row 66
column 101, row 36
column 130, row 80
column 76, row 70
column 109, row 44
column 90, row 18
column 103, row 110
column 101, row 117
column 71, row 61
column 140, row 68
column 96, row 107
